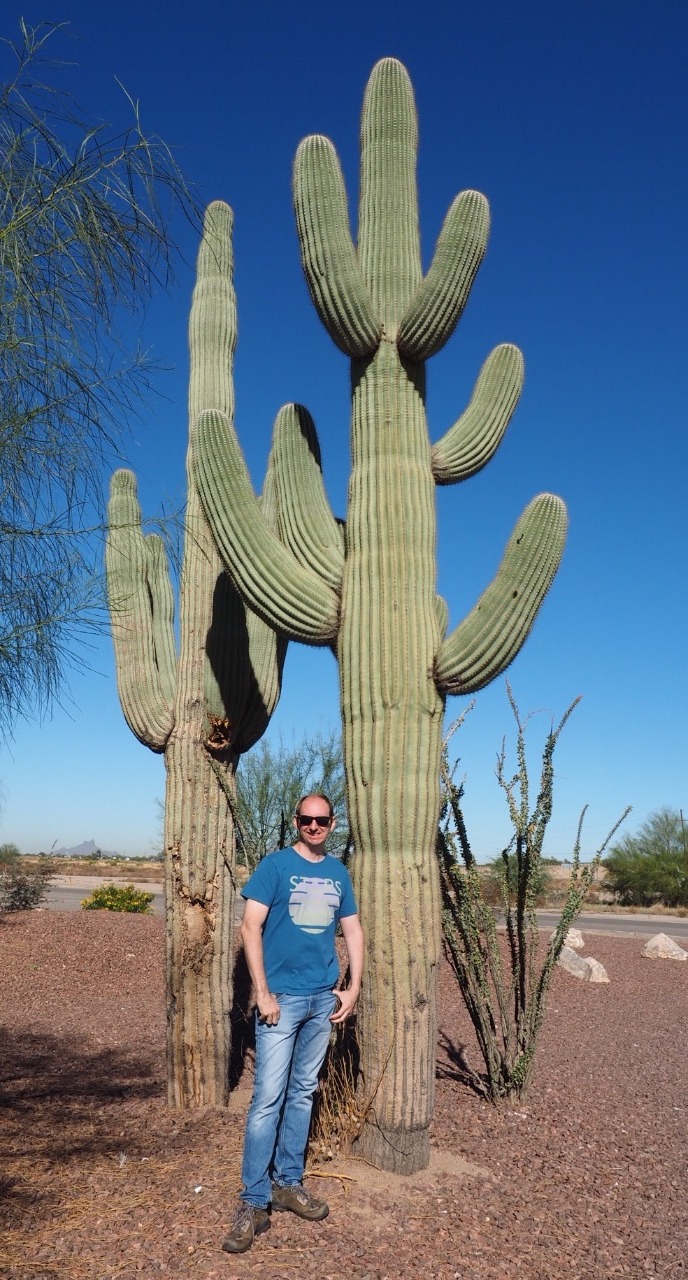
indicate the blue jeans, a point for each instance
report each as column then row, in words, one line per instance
column 289, row 1056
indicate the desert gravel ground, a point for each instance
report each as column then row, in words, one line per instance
column 586, row 1179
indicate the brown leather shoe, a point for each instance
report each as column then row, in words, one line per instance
column 248, row 1223
column 299, row 1201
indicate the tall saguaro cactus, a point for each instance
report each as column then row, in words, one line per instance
column 368, row 588
column 202, row 709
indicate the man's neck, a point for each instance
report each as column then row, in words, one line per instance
column 306, row 853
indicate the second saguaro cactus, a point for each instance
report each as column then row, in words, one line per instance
column 368, row 587
column 202, row 709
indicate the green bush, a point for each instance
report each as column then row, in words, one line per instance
column 118, row 897
column 21, row 890
column 8, row 853
column 651, row 867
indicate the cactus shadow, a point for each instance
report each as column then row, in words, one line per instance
column 241, row 1021
column 458, row 1067
column 232, row 668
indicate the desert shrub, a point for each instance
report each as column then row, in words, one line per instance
column 651, row 867
column 22, row 888
column 8, row 853
column 118, row 897
column 506, row 994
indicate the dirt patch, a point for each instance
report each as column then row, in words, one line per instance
column 100, row 868
column 586, row 1180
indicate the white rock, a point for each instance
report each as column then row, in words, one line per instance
column 662, row 947
column 582, row 966
column 598, row 973
column 573, row 963
column 574, row 938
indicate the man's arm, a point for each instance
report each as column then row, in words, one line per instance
column 353, row 938
column 255, row 914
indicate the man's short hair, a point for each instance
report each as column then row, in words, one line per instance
column 315, row 795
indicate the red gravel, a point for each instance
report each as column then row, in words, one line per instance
column 586, row 1180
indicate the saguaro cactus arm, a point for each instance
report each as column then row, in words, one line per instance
column 388, row 229
column 488, row 639
column 476, row 435
column 327, row 252
column 436, row 308
column 306, row 523
column 141, row 609
column 289, row 597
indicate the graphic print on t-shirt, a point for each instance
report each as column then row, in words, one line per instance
column 313, row 902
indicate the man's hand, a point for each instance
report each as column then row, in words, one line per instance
column 353, row 938
column 268, row 1009
column 347, row 1003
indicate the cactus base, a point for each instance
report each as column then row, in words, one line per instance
column 395, row 1150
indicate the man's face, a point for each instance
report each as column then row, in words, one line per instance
column 313, row 823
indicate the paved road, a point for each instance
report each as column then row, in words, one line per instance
column 66, row 893
column 636, row 926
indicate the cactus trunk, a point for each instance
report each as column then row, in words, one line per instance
column 198, row 929
column 199, row 899
column 392, row 715
column 199, row 849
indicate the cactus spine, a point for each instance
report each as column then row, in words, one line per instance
column 201, row 709
column 376, row 604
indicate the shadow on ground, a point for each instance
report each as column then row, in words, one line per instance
column 60, row 1099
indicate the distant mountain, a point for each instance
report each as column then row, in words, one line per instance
column 84, row 850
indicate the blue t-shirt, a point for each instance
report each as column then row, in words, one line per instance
column 306, row 900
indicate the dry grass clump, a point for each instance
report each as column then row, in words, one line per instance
column 338, row 1113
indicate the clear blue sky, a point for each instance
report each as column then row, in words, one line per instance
column 571, row 118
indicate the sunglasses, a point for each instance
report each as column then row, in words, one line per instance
column 305, row 819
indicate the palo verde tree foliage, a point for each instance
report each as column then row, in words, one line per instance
column 202, row 708
column 83, row 233
column 506, row 997
column 368, row 587
column 270, row 781
column 651, row 866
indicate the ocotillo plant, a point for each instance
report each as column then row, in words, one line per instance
column 368, row 588
column 202, row 708
column 506, row 994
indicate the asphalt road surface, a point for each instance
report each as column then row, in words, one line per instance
column 66, row 893
column 639, row 926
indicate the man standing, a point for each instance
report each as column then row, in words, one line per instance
column 294, row 901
